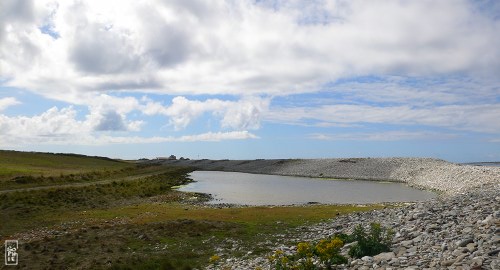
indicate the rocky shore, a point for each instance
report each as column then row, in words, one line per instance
column 458, row 230
column 425, row 173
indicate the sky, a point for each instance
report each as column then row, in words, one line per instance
column 243, row 79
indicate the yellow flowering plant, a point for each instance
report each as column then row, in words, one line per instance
column 281, row 261
column 214, row 259
column 304, row 250
column 326, row 251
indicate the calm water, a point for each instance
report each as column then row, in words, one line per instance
column 257, row 189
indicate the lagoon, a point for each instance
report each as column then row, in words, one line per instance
column 262, row 189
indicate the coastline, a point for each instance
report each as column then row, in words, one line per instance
column 424, row 173
column 457, row 230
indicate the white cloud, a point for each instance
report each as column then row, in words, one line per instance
column 183, row 111
column 239, row 115
column 112, row 121
column 92, row 53
column 8, row 102
column 50, row 125
column 383, row 136
column 417, row 91
column 61, row 127
column 246, row 113
column 108, row 113
column 478, row 118
column 240, row 48
column 217, row 136
column 203, row 137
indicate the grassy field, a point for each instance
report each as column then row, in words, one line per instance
column 127, row 216
column 15, row 164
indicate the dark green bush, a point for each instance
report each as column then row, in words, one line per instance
column 378, row 240
column 344, row 237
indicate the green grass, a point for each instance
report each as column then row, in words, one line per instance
column 292, row 215
column 156, row 234
column 20, row 206
column 15, row 163
column 132, row 219
column 133, row 234
column 133, row 172
column 19, row 170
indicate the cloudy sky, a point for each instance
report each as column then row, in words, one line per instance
column 252, row 79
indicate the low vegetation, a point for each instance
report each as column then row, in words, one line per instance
column 327, row 252
column 376, row 241
column 25, row 208
column 48, row 164
column 321, row 255
column 95, row 213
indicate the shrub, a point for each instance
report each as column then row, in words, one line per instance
column 368, row 244
column 326, row 251
column 214, row 260
column 329, row 252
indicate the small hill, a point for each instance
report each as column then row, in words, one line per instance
column 14, row 163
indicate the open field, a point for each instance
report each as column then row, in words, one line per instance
column 46, row 164
column 127, row 216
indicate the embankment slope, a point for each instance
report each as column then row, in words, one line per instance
column 425, row 173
